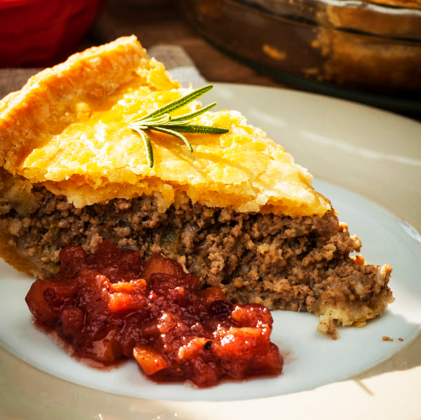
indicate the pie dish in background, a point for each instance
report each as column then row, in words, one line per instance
column 364, row 51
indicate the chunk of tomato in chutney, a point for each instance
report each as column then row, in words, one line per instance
column 109, row 306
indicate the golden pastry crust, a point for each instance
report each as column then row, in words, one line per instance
column 68, row 129
column 47, row 96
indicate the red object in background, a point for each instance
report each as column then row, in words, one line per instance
column 43, row 32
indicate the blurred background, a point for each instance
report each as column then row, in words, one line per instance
column 369, row 52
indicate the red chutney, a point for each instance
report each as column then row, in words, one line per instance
column 109, row 306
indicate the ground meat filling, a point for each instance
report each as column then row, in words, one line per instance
column 281, row 262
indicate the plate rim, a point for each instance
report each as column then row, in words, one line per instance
column 303, row 94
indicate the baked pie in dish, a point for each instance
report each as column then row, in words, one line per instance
column 237, row 212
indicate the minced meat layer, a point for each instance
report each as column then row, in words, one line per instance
column 279, row 261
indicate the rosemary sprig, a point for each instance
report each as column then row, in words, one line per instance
column 161, row 120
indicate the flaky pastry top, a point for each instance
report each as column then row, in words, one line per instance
column 67, row 129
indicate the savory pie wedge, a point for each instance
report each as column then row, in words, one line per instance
column 238, row 212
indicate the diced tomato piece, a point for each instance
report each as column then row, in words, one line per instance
column 45, row 299
column 149, row 359
column 128, row 296
column 194, row 347
column 151, row 328
column 251, row 315
column 72, row 318
column 246, row 332
column 203, row 373
column 159, row 264
column 210, row 295
column 126, row 302
column 241, row 342
column 133, row 286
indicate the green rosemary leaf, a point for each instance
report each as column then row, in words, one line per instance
column 172, row 132
column 191, row 115
column 196, row 129
column 158, row 120
column 147, row 143
column 161, row 120
column 171, row 122
column 179, row 103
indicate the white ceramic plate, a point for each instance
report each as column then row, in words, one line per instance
column 376, row 154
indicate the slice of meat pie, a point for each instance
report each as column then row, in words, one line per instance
column 237, row 212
